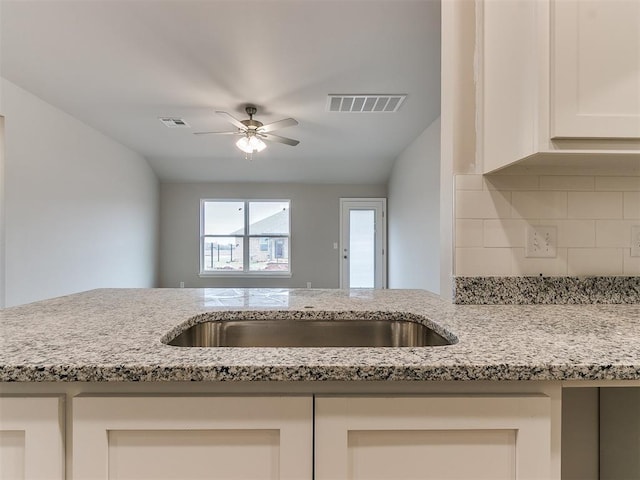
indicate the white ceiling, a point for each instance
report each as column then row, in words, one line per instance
column 119, row 65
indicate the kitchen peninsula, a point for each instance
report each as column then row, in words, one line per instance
column 100, row 361
column 115, row 335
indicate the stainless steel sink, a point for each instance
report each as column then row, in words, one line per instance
column 308, row 333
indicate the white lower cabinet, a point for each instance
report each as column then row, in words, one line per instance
column 184, row 438
column 31, row 438
column 433, row 438
column 401, row 437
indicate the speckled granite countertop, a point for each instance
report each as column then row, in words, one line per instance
column 115, row 335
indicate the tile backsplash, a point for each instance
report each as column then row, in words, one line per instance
column 593, row 216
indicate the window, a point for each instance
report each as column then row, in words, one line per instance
column 245, row 237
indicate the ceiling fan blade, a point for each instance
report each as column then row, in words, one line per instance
column 277, row 138
column 218, row 133
column 233, row 120
column 270, row 127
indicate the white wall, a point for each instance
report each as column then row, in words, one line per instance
column 315, row 226
column 414, row 214
column 81, row 209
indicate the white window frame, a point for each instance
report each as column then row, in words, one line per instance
column 246, row 250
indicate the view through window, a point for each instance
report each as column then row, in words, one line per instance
column 245, row 236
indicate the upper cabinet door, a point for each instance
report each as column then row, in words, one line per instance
column 595, row 68
column 558, row 81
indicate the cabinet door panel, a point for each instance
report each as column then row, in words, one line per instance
column 12, row 454
column 596, row 65
column 31, row 438
column 433, row 438
column 178, row 454
column 432, row 454
column 140, row 438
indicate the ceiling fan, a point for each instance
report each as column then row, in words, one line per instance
column 252, row 131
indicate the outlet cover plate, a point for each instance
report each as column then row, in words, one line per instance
column 542, row 241
column 635, row 241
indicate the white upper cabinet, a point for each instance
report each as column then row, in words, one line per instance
column 596, row 69
column 557, row 78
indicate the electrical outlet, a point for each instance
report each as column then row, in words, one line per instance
column 308, row 284
column 635, row 241
column 542, row 241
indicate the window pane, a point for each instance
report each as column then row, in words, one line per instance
column 224, row 218
column 362, row 238
column 269, row 254
column 269, row 218
column 223, row 254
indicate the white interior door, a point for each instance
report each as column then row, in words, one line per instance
column 363, row 242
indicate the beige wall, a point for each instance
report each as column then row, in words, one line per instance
column 593, row 216
column 457, row 140
column 580, row 433
column 619, row 433
column 2, row 233
column 315, row 226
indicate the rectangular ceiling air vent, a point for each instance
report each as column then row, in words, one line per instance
column 365, row 103
column 173, row 122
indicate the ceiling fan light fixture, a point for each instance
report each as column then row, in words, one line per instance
column 251, row 144
column 252, row 131
column 257, row 144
